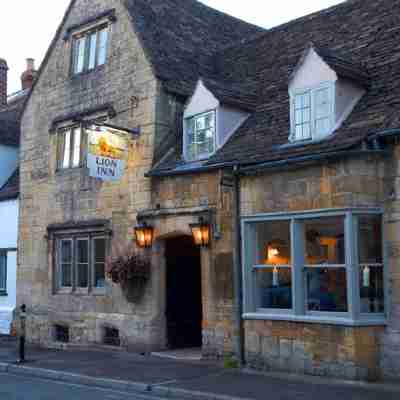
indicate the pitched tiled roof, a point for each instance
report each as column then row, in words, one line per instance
column 359, row 39
column 10, row 190
column 179, row 37
column 10, row 117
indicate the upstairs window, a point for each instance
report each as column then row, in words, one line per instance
column 89, row 50
column 312, row 113
column 200, row 136
column 70, row 148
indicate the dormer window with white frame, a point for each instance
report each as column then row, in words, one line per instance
column 200, row 136
column 207, row 124
column 322, row 94
column 312, row 113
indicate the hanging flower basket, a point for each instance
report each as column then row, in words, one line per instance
column 127, row 265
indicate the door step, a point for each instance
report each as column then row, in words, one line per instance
column 181, row 354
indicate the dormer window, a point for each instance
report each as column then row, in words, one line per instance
column 89, row 49
column 312, row 113
column 200, row 136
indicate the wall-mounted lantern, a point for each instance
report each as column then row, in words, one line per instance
column 201, row 233
column 144, row 235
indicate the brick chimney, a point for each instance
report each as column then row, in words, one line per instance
column 3, row 82
column 28, row 77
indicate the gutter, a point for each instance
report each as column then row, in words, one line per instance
column 237, row 270
column 189, row 171
column 384, row 134
column 307, row 159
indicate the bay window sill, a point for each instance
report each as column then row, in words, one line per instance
column 377, row 320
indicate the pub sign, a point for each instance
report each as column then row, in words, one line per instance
column 107, row 153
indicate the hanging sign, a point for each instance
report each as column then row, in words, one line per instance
column 107, row 153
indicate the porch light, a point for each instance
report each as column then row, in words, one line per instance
column 201, row 233
column 144, row 235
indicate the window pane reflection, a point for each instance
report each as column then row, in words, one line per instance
column 326, row 289
column 325, row 241
column 372, row 290
column 274, row 286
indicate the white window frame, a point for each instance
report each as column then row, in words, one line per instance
column 67, row 154
column 299, row 311
column 201, row 156
column 314, row 136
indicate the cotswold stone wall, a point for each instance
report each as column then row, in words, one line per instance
column 390, row 341
column 356, row 353
column 49, row 197
column 184, row 196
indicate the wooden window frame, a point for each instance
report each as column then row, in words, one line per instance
column 314, row 135
column 299, row 312
column 87, row 34
column 3, row 286
column 187, row 145
column 74, row 239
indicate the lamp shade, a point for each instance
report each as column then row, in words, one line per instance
column 201, row 233
column 144, row 236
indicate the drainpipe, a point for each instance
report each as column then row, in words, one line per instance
column 237, row 266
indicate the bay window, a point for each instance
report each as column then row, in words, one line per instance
column 323, row 266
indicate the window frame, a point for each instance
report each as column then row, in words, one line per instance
column 201, row 156
column 61, row 146
column 87, row 49
column 314, row 135
column 299, row 311
column 74, row 238
column 3, row 286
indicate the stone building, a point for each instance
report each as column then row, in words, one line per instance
column 132, row 65
column 10, row 115
column 280, row 146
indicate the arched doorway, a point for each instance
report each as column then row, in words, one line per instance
column 183, row 293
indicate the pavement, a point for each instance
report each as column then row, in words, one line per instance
column 14, row 387
column 169, row 378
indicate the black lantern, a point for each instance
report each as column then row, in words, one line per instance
column 201, row 233
column 144, row 235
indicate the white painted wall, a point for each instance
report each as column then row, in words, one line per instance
column 8, row 240
column 312, row 72
column 201, row 101
column 9, row 160
column 347, row 96
column 228, row 121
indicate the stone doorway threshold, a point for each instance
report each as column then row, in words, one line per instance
column 192, row 354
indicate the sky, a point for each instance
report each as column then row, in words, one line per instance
column 27, row 29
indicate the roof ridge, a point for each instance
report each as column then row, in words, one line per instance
column 284, row 25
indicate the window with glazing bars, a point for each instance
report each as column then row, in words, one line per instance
column 71, row 143
column 312, row 113
column 200, row 136
column 81, row 262
column 89, row 50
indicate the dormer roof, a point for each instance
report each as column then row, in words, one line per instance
column 344, row 68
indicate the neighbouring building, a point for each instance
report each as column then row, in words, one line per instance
column 276, row 150
column 10, row 114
